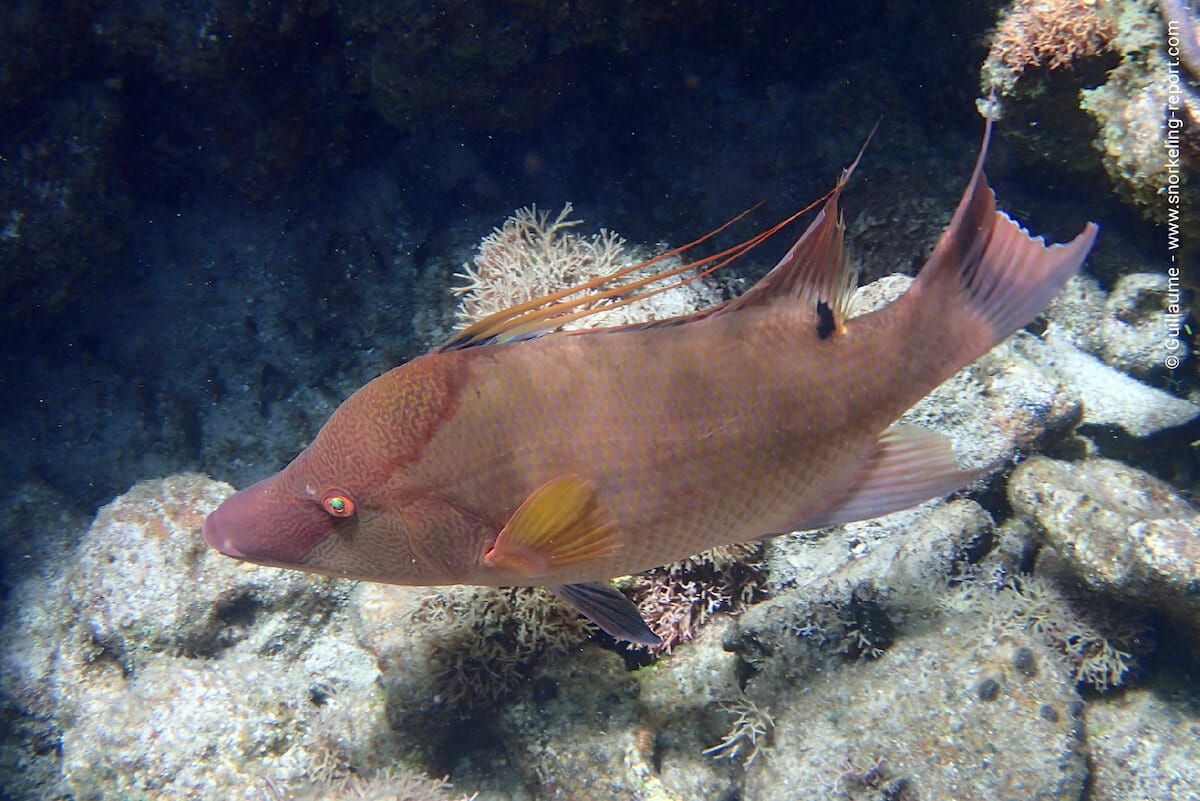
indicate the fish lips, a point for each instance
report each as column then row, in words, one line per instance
column 261, row 525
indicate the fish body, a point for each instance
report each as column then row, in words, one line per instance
column 567, row 459
column 689, row 435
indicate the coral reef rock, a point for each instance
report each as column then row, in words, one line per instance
column 143, row 579
column 944, row 714
column 581, row 739
column 981, row 708
column 1120, row 530
column 1144, row 746
column 1139, row 317
column 1132, row 109
column 1098, row 70
column 682, row 703
column 446, row 652
column 1108, row 396
column 906, row 551
column 1129, row 328
column 177, row 672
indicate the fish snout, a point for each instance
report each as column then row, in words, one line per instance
column 219, row 533
column 266, row 525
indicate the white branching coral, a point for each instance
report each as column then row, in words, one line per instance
column 750, row 732
column 1040, row 606
column 533, row 254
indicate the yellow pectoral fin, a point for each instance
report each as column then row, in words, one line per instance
column 561, row 524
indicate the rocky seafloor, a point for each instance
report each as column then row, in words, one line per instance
column 1022, row 639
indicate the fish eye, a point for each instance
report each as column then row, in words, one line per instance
column 338, row 503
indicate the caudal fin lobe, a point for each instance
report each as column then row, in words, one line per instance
column 987, row 276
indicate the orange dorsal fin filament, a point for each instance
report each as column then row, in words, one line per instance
column 561, row 524
column 547, row 312
column 816, row 272
column 543, row 314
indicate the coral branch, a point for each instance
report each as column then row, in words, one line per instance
column 751, row 730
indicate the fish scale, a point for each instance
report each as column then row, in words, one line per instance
column 668, row 447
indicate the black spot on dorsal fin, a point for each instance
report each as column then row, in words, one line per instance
column 826, row 324
column 816, row 268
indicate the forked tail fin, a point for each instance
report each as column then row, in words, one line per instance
column 987, row 276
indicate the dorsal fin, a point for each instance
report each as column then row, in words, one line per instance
column 539, row 315
column 816, row 272
column 543, row 314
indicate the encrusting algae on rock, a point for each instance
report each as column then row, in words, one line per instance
column 1111, row 74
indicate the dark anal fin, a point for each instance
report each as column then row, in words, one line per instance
column 605, row 606
column 910, row 465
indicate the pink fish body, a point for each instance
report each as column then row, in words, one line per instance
column 515, row 456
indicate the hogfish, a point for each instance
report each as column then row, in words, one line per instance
column 520, row 454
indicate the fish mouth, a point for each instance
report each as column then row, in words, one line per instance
column 219, row 536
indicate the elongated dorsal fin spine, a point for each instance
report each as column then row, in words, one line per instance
column 816, row 273
column 550, row 311
column 816, row 269
column 544, row 314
